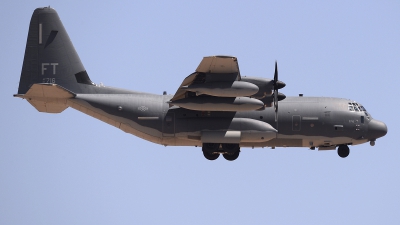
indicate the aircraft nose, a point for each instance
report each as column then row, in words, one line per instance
column 376, row 129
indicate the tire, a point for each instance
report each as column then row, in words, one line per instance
column 230, row 148
column 231, row 156
column 343, row 151
column 210, row 147
column 210, row 156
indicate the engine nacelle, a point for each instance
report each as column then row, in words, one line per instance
column 265, row 86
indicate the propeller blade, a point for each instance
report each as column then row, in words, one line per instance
column 276, row 74
column 276, row 104
column 276, row 91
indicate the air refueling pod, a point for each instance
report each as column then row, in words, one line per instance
column 241, row 130
column 224, row 89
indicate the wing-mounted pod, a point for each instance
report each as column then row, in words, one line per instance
column 240, row 130
column 224, row 89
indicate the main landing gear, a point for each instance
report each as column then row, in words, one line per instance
column 211, row 151
column 343, row 151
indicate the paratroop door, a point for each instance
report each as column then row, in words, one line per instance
column 169, row 125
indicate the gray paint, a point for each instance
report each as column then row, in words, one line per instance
column 248, row 122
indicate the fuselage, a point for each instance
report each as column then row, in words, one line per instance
column 302, row 121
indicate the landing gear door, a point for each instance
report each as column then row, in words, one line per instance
column 169, row 125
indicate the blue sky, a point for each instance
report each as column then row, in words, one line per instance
column 69, row 168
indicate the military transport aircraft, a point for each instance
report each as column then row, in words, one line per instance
column 214, row 107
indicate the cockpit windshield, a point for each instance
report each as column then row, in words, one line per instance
column 355, row 107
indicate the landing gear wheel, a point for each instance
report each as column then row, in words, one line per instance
column 211, row 156
column 231, row 156
column 230, row 147
column 210, row 147
column 343, row 151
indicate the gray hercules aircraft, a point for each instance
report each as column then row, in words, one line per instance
column 214, row 107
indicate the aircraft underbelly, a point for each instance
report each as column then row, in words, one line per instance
column 126, row 112
column 311, row 141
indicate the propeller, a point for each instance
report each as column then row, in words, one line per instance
column 276, row 91
column 276, row 96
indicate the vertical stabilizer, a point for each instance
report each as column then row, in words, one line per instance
column 50, row 56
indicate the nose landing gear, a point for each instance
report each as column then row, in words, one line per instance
column 372, row 143
column 343, row 151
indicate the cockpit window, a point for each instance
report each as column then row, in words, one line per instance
column 364, row 110
column 355, row 107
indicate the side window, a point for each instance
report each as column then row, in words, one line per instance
column 362, row 119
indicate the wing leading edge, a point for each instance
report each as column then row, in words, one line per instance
column 211, row 69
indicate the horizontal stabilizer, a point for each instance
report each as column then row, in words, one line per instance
column 50, row 98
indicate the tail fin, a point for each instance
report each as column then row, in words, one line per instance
column 50, row 56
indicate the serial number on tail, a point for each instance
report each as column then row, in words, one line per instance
column 49, row 80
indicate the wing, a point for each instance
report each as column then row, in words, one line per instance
column 211, row 69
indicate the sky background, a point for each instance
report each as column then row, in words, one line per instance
column 70, row 168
